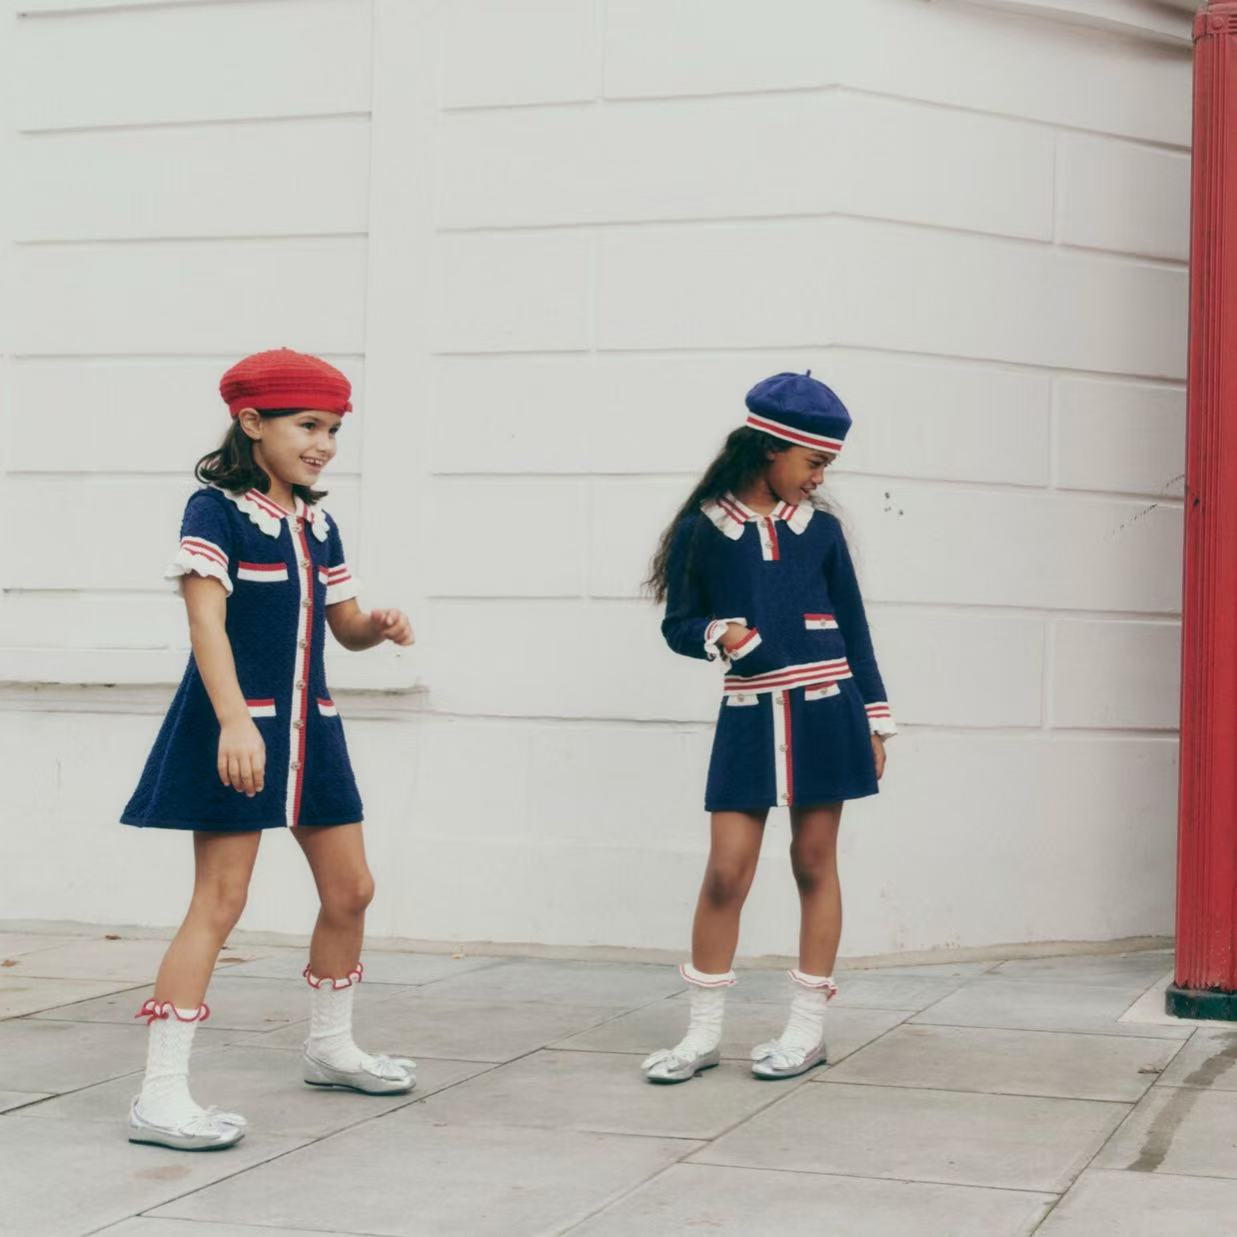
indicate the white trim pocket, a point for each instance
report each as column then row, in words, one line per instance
column 820, row 622
column 262, row 573
column 819, row 691
column 260, row 708
column 327, row 708
column 740, row 700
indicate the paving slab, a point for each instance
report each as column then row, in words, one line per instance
column 1208, row 1060
column 1122, row 1204
column 868, row 990
column 662, row 1025
column 1182, row 1130
column 1027, row 1005
column 235, row 1004
column 136, row 960
column 606, row 1092
column 17, row 944
column 266, row 1087
column 47, row 1055
column 412, row 1024
column 911, row 1134
column 10, row 1100
column 62, row 1180
column 749, row 1202
column 1090, row 1067
column 20, row 995
column 380, row 967
column 576, row 983
column 1136, row 969
column 409, row 1175
column 1149, row 1009
column 147, row 1226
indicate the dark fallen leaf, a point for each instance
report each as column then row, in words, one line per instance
column 112, row 936
column 10, row 962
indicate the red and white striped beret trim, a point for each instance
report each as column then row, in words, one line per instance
column 788, row 433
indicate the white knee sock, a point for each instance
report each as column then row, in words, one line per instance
column 708, row 1007
column 805, row 1027
column 330, row 1028
column 165, row 1098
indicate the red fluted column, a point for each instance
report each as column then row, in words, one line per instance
column 1206, row 973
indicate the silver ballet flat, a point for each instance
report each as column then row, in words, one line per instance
column 211, row 1130
column 319, row 1074
column 666, row 1065
column 771, row 1060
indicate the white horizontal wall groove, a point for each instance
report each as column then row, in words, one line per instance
column 226, row 122
column 827, row 88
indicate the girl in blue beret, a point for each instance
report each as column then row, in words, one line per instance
column 755, row 573
column 253, row 740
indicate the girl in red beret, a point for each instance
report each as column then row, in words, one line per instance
column 253, row 740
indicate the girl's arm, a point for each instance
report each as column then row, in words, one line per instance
column 357, row 630
column 853, row 623
column 241, row 759
column 687, row 627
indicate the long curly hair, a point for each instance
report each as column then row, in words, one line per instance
column 742, row 459
column 231, row 465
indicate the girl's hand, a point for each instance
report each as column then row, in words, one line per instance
column 242, row 757
column 734, row 634
column 392, row 625
column 878, row 753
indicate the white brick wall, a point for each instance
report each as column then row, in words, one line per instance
column 553, row 243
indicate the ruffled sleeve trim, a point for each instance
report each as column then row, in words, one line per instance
column 197, row 556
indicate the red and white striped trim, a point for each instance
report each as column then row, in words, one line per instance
column 770, row 551
column 262, row 573
column 808, row 674
column 340, row 585
column 783, row 748
column 745, row 646
column 269, row 516
column 788, row 433
column 714, row 632
column 354, row 976
column 819, row 691
column 702, row 979
column 299, row 712
column 820, row 622
column 327, row 708
column 731, row 517
column 880, row 718
column 260, row 708
column 197, row 556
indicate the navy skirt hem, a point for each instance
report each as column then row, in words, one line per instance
column 198, row 826
column 813, row 801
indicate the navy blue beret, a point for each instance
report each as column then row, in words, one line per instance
column 799, row 409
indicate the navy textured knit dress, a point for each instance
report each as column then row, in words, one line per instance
column 281, row 570
column 802, row 694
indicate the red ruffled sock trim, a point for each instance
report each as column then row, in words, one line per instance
column 160, row 1011
column 354, row 976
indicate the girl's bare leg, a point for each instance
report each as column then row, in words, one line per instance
column 733, row 854
column 814, row 861
column 223, row 864
column 336, row 857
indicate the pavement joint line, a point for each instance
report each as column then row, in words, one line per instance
column 976, row 1026
column 1017, row 1095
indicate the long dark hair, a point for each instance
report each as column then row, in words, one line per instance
column 741, row 460
column 231, row 465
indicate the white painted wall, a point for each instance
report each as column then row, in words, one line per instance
column 553, row 242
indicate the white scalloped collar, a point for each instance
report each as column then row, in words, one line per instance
column 731, row 517
column 269, row 516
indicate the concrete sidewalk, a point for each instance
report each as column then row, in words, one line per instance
column 982, row 1099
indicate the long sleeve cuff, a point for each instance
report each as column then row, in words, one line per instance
column 880, row 718
column 713, row 633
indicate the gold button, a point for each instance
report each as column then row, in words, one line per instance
column 303, row 643
column 300, row 687
column 296, row 725
column 777, row 699
column 782, row 747
column 783, row 797
column 304, row 562
column 306, row 603
column 296, row 764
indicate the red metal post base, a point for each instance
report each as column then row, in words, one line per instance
column 1206, row 971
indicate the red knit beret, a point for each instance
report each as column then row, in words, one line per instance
column 282, row 378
